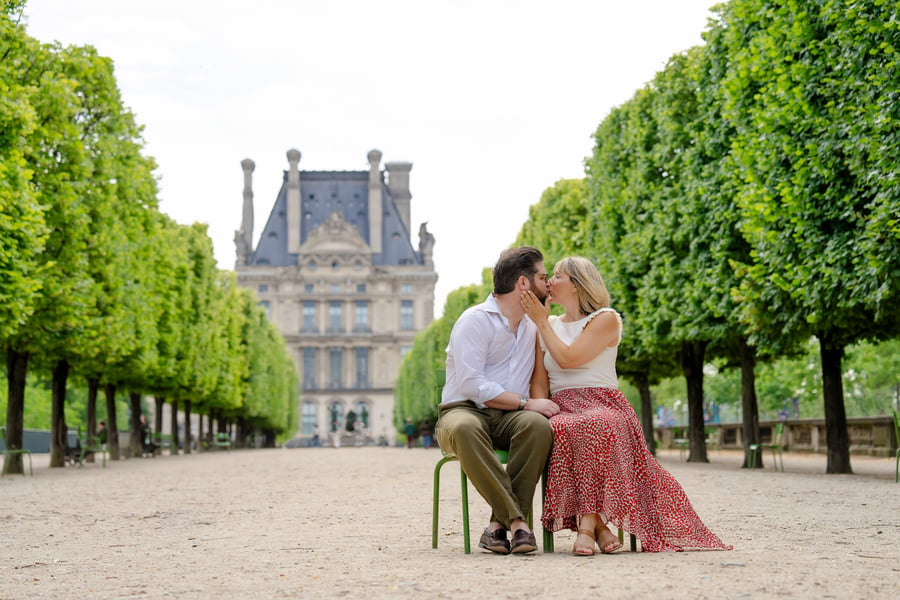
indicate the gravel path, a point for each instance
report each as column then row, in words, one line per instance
column 355, row 522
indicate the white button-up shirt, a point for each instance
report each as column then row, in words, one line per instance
column 485, row 358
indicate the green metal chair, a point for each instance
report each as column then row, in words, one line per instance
column 897, row 439
column 12, row 452
column 775, row 446
column 223, row 440
column 682, row 443
column 503, row 455
column 91, row 445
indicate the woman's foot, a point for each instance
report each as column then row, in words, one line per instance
column 606, row 539
column 584, row 543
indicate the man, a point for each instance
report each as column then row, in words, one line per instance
column 486, row 405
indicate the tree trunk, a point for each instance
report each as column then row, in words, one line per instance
column 173, row 424
column 91, row 414
column 16, row 372
column 112, row 426
column 643, row 385
column 187, row 427
column 837, row 437
column 59, row 433
column 136, row 439
column 241, row 433
column 159, row 402
column 749, row 404
column 691, row 356
column 201, row 439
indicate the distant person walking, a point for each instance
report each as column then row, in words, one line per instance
column 410, row 431
column 426, row 431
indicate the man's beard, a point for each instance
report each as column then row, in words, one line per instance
column 541, row 296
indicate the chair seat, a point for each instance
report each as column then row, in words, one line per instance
column 13, row 452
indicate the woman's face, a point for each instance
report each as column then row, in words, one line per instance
column 561, row 287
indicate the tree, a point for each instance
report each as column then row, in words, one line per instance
column 811, row 91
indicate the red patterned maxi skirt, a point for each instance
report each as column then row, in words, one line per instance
column 600, row 464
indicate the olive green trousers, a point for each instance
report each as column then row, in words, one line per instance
column 472, row 434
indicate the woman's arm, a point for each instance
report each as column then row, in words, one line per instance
column 540, row 379
column 600, row 333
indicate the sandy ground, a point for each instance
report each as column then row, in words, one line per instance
column 355, row 522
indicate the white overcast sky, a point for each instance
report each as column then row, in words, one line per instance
column 492, row 101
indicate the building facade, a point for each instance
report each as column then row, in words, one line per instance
column 337, row 272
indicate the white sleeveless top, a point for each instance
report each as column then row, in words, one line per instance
column 599, row 372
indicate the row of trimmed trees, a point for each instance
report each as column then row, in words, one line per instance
column 95, row 281
column 746, row 200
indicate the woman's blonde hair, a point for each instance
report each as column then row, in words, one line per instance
column 592, row 292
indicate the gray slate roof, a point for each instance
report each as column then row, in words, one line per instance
column 323, row 192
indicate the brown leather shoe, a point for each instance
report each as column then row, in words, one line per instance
column 494, row 541
column 523, row 542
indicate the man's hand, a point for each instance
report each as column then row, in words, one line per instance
column 546, row 407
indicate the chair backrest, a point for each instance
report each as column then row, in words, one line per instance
column 897, row 427
column 778, row 435
column 440, row 378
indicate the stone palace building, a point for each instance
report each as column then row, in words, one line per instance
column 336, row 270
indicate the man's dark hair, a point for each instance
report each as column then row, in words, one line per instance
column 514, row 263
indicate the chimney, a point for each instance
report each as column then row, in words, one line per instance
column 398, row 183
column 243, row 237
column 376, row 208
column 294, row 215
column 247, row 217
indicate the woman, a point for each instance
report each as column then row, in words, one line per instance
column 600, row 469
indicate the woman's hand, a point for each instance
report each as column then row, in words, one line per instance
column 536, row 311
column 543, row 406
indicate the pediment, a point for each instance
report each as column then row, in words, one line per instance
column 334, row 236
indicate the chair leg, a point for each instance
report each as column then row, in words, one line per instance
column 548, row 535
column 467, row 546
column 435, row 503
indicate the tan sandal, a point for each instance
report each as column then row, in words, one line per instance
column 610, row 547
column 581, row 550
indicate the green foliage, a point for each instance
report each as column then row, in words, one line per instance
column 812, row 95
column 22, row 230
